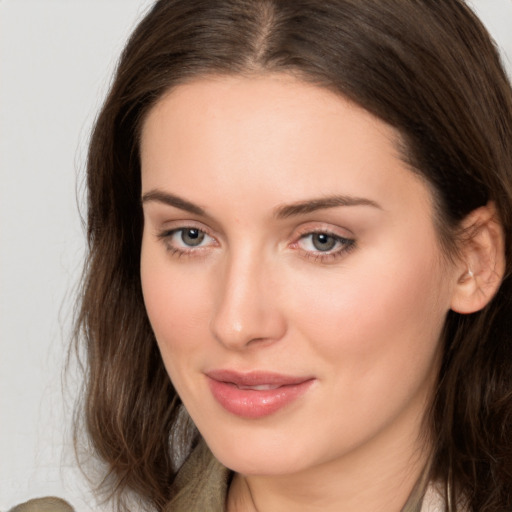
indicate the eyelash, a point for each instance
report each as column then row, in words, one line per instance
column 167, row 235
column 346, row 244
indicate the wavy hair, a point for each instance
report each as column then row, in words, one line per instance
column 426, row 67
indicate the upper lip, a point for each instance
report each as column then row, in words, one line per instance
column 255, row 378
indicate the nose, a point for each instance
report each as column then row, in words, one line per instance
column 246, row 310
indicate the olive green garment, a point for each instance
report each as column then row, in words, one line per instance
column 50, row 504
column 201, row 485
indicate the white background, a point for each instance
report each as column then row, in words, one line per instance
column 56, row 58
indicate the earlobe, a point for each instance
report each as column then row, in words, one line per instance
column 482, row 261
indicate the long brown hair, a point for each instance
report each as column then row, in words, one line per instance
column 426, row 67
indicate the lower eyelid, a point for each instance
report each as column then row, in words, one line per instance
column 333, row 255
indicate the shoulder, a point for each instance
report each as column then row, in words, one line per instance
column 50, row 504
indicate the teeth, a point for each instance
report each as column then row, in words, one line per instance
column 262, row 387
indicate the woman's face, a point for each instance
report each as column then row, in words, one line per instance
column 291, row 273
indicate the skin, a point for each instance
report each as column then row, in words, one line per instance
column 363, row 319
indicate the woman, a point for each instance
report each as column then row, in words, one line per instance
column 298, row 293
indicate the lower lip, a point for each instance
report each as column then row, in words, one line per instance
column 249, row 403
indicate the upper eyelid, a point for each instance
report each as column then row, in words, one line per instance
column 163, row 219
column 177, row 225
column 332, row 235
column 335, row 231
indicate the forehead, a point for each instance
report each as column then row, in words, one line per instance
column 273, row 135
column 259, row 101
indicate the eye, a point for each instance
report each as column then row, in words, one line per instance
column 324, row 246
column 186, row 240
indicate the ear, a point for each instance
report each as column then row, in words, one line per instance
column 481, row 263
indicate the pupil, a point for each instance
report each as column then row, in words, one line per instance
column 192, row 236
column 323, row 242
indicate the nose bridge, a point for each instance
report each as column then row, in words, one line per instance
column 245, row 311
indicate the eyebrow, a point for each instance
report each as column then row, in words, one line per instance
column 170, row 199
column 281, row 212
column 312, row 205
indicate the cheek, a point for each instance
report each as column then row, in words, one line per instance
column 379, row 319
column 177, row 299
column 174, row 317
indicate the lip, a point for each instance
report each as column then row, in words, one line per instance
column 255, row 394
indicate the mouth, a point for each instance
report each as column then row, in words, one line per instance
column 255, row 394
column 261, row 387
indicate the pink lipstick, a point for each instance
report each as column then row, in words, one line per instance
column 255, row 394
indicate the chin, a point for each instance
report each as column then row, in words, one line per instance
column 261, row 464
column 261, row 451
